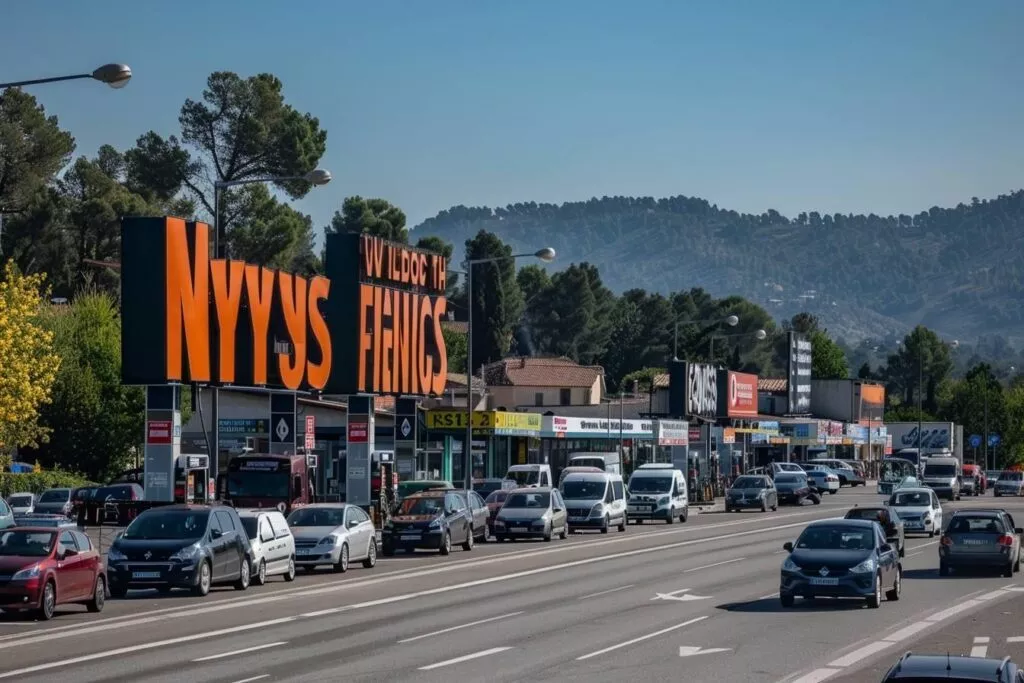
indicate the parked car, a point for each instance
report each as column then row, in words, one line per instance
column 657, row 492
column 333, row 534
column 478, row 510
column 919, row 508
column 792, row 488
column 487, row 486
column 432, row 520
column 532, row 513
column 973, row 480
column 594, row 500
column 981, row 538
column 848, row 474
column 892, row 525
column 49, row 567
column 6, row 515
column 823, row 477
column 272, row 544
column 494, row 503
column 54, row 502
column 847, row 558
column 942, row 667
column 750, row 491
column 407, row 488
column 22, row 503
column 1009, row 483
column 48, row 521
column 181, row 546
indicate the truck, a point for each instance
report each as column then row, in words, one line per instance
column 267, row 480
column 934, row 439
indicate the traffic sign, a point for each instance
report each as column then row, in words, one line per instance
column 993, row 439
column 975, row 440
column 310, row 432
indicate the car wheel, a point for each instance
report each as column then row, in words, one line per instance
column 565, row 531
column 1008, row 570
column 931, row 534
column 342, row 566
column 1016, row 564
column 764, row 506
column 203, row 581
column 875, row 599
column 371, row 555
column 671, row 519
column 446, row 544
column 775, row 507
column 244, row 575
column 622, row 526
column 683, row 517
column 99, row 596
column 290, row 574
column 261, row 574
column 833, row 492
column 787, row 600
column 893, row 593
column 48, row 603
column 606, row 525
column 903, row 549
column 468, row 545
column 547, row 534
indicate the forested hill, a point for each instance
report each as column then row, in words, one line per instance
column 957, row 270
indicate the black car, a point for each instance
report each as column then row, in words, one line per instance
column 181, row 546
column 433, row 519
column 847, row 558
column 914, row 668
column 890, row 522
column 479, row 511
column 792, row 488
column 981, row 538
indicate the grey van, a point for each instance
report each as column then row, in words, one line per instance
column 594, row 500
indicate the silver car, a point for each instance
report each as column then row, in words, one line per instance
column 1009, row 484
column 22, row 503
column 333, row 534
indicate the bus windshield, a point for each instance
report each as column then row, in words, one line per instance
column 258, row 485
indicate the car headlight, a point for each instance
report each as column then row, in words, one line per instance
column 663, row 500
column 436, row 523
column 597, row 510
column 328, row 540
column 27, row 573
column 864, row 567
column 790, row 566
column 115, row 555
column 183, row 555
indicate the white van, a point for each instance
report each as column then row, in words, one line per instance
column 608, row 462
column 273, row 546
column 531, row 475
column 657, row 491
column 594, row 500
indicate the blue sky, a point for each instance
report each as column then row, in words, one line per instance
column 829, row 105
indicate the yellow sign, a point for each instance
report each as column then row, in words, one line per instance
column 489, row 420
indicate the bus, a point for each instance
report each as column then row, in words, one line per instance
column 261, row 480
column 893, row 471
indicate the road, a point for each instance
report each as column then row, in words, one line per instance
column 695, row 600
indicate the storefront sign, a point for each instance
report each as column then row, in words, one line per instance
column 872, row 402
column 740, row 394
column 358, row 432
column 728, row 435
column 498, row 421
column 857, row 433
column 800, row 430
column 159, row 432
column 800, row 356
column 672, row 432
column 701, row 390
column 696, row 434
column 247, row 427
column 592, row 427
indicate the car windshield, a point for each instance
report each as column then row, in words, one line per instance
column 168, row 525
column 969, row 524
column 423, row 505
column 789, row 479
column 940, row 470
column 1011, row 476
column 251, row 526
column 583, row 490
column 836, row 538
column 750, row 483
column 55, row 496
column 26, row 543
column 20, row 501
column 911, row 499
column 528, row 500
column 524, row 477
column 325, row 517
column 496, row 497
column 650, row 484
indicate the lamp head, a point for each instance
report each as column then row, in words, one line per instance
column 318, row 176
column 547, row 254
column 732, row 320
column 114, row 75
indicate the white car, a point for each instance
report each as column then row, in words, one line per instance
column 333, row 534
column 272, row 543
column 22, row 503
column 919, row 508
column 823, row 478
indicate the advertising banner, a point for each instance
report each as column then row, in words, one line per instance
column 934, row 436
column 701, row 390
column 872, row 403
column 672, row 432
column 799, row 372
column 738, row 393
column 592, row 427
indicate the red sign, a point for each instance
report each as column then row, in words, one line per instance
column 159, row 432
column 310, row 432
column 358, row 432
column 742, row 395
column 694, row 434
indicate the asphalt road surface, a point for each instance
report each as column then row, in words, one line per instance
column 695, row 601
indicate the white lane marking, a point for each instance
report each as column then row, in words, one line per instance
column 641, row 638
column 681, row 595
column 1015, row 639
column 859, row 654
column 254, row 678
column 716, row 564
column 103, row 628
column 919, row 552
column 142, row 648
column 243, row 651
column 465, row 658
column 990, row 595
column 690, row 650
column 980, row 648
column 459, row 627
column 769, row 596
column 981, row 640
column 817, row 676
column 907, row 631
column 954, row 610
column 386, row 577
column 607, row 592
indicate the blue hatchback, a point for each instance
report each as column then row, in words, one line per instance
column 847, row 558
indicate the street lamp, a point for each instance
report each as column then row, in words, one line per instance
column 731, row 321
column 759, row 335
column 317, row 177
column 114, row 75
column 547, row 255
column 920, row 395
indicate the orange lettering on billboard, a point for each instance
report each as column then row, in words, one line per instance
column 317, row 374
column 259, row 283
column 227, row 277
column 292, row 366
column 187, row 302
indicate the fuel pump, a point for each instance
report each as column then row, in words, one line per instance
column 191, row 479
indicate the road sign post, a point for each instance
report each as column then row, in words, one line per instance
column 310, row 433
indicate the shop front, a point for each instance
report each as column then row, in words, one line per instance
column 500, row 439
column 563, row 436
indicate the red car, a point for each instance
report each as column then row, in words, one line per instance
column 42, row 568
column 978, row 474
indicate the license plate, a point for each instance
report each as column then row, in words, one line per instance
column 824, row 581
column 145, row 575
column 974, row 541
column 577, row 519
column 639, row 508
column 410, row 537
column 518, row 528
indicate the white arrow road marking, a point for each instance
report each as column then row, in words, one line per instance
column 681, row 595
column 980, row 648
column 689, row 650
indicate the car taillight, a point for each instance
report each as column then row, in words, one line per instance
column 1006, row 540
column 946, row 540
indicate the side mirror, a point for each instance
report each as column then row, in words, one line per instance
column 788, row 546
column 353, row 523
column 216, row 533
column 885, row 548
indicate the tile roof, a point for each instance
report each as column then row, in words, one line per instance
column 542, row 372
column 632, row 408
column 772, row 385
column 457, row 382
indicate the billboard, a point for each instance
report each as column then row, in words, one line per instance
column 737, row 393
column 701, row 390
column 934, row 436
column 371, row 325
column 872, row 402
column 799, row 373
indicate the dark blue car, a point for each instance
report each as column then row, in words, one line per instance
column 847, row 558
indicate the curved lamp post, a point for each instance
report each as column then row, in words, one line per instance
column 759, row 335
column 547, row 255
column 114, row 75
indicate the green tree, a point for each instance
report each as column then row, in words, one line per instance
column 1013, row 435
column 274, row 234
column 638, row 337
column 97, row 422
column 377, row 217
column 446, row 249
column 497, row 303
column 978, row 393
column 33, row 148
column 828, row 360
column 923, row 360
column 533, row 280
column 455, row 346
column 644, row 379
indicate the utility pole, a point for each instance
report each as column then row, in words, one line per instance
column 920, row 396
column 984, row 439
